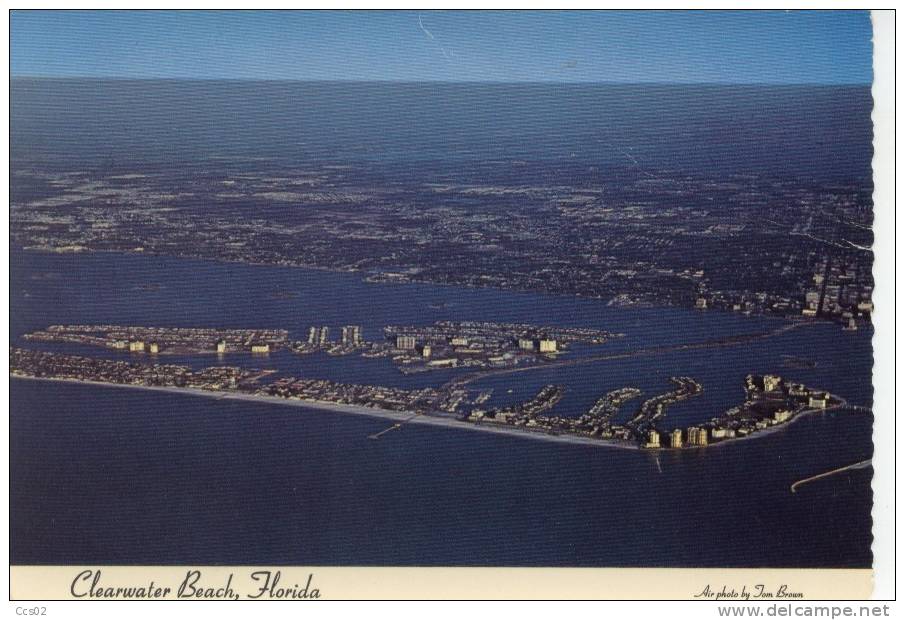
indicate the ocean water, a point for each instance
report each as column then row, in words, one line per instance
column 111, row 475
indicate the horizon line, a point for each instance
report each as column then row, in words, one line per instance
column 434, row 81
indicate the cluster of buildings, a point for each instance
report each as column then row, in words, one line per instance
column 596, row 232
column 600, row 415
column 598, row 421
column 322, row 390
column 30, row 363
column 655, row 408
column 351, row 340
column 692, row 437
column 445, row 344
column 194, row 340
column 840, row 291
column 836, row 287
column 527, row 413
column 350, row 335
column 451, row 344
column 771, row 401
column 40, row 364
column 165, row 340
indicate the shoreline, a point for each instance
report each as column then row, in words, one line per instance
column 406, row 417
column 364, row 275
column 403, row 417
column 771, row 430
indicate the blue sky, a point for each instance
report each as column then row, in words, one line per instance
column 687, row 47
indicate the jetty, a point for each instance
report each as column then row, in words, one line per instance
column 838, row 470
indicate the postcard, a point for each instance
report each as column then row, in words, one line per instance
column 314, row 305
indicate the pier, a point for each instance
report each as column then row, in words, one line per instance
column 838, row 470
column 395, row 426
column 385, row 431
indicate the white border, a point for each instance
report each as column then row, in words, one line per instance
column 885, row 432
column 884, row 300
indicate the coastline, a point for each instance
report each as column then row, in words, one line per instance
column 411, row 417
column 403, row 417
column 770, row 430
column 363, row 277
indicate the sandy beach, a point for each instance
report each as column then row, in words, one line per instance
column 410, row 417
column 402, row 417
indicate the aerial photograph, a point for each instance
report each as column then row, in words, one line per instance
column 441, row 288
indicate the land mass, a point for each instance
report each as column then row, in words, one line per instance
column 770, row 400
column 635, row 237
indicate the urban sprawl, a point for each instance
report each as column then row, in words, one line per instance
column 490, row 347
column 633, row 237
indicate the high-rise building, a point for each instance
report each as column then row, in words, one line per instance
column 818, row 401
column 653, row 439
column 406, row 343
column 675, row 438
column 426, row 351
column 351, row 335
column 547, row 346
column 137, row 346
column 782, row 415
column 771, row 382
column 154, row 348
column 526, row 344
column 697, row 436
column 221, row 346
